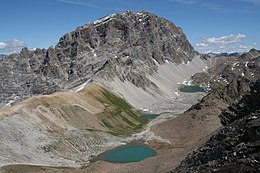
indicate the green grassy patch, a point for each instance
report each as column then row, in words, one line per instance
column 119, row 116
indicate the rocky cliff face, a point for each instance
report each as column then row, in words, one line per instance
column 235, row 148
column 231, row 75
column 229, row 80
column 127, row 45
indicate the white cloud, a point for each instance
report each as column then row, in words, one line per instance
column 202, row 45
column 17, row 43
column 254, row 2
column 88, row 4
column 224, row 40
column 228, row 43
column 186, row 2
column 12, row 46
column 2, row 45
column 246, row 47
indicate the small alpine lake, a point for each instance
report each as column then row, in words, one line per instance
column 191, row 89
column 132, row 152
column 150, row 116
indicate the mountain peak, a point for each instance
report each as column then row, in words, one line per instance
column 112, row 43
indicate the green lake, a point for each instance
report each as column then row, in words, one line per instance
column 150, row 116
column 191, row 89
column 128, row 153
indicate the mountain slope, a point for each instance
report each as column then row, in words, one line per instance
column 235, row 148
column 65, row 126
column 128, row 46
column 80, row 91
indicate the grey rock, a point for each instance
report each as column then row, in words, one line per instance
column 126, row 45
column 236, row 147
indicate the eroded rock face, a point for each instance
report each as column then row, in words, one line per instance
column 236, row 147
column 234, row 73
column 127, row 45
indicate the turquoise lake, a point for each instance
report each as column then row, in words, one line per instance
column 128, row 153
column 150, row 116
column 192, row 89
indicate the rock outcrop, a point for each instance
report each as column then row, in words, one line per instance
column 235, row 147
column 126, row 45
column 231, row 75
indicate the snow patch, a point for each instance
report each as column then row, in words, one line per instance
column 185, row 82
column 81, row 87
column 155, row 61
column 104, row 19
column 145, row 110
column 9, row 103
column 235, row 64
column 246, row 64
column 177, row 94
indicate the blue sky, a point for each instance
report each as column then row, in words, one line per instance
column 210, row 25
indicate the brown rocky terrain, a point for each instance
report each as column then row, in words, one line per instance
column 187, row 131
column 136, row 58
column 235, row 147
column 65, row 127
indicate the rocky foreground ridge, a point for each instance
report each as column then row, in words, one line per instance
column 235, row 147
column 126, row 45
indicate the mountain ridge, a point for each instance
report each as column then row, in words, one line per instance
column 131, row 38
column 136, row 59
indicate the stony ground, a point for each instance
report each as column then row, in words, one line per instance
column 169, row 154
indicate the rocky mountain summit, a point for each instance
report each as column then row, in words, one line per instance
column 126, row 45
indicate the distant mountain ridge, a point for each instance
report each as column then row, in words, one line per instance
column 3, row 56
column 225, row 54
